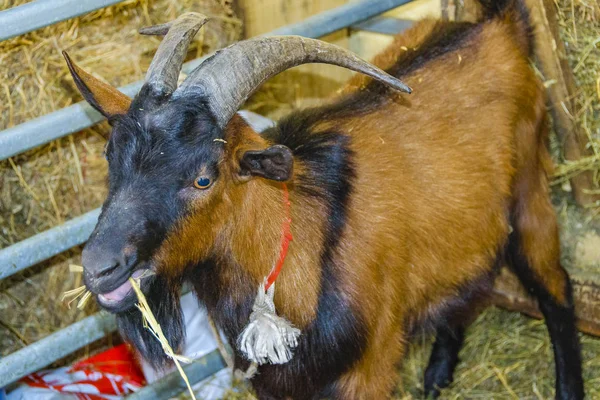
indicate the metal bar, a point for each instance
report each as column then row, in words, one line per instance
column 40, row 13
column 338, row 18
column 47, row 244
column 55, row 346
column 384, row 25
column 57, row 124
column 72, row 119
column 172, row 384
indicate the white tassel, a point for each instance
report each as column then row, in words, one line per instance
column 267, row 338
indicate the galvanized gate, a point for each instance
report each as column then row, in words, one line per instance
column 36, row 132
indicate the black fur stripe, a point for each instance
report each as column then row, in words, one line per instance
column 560, row 320
column 336, row 339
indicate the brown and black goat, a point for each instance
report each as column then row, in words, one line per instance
column 402, row 206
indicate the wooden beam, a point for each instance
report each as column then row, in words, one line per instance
column 509, row 294
column 552, row 60
column 261, row 16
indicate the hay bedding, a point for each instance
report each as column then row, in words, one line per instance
column 506, row 355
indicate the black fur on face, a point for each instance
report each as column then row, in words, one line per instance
column 155, row 154
column 159, row 151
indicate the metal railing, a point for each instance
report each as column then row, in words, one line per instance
column 41, row 130
column 41, row 13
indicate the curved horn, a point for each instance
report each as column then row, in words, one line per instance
column 231, row 75
column 164, row 70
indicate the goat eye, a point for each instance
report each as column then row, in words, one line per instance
column 202, row 182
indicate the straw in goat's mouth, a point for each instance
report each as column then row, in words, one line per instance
column 77, row 292
column 84, row 294
column 118, row 294
column 153, row 326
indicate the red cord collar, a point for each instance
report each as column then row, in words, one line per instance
column 286, row 238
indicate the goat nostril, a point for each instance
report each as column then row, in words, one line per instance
column 128, row 257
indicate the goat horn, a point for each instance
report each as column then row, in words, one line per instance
column 232, row 74
column 164, row 70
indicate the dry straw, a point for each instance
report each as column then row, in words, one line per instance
column 150, row 321
column 78, row 292
column 153, row 326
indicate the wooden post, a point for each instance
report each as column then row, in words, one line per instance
column 552, row 60
column 509, row 294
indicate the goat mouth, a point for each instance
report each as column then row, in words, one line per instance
column 122, row 297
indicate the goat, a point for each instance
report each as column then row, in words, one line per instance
column 402, row 207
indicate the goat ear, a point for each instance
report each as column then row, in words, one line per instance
column 275, row 162
column 102, row 96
